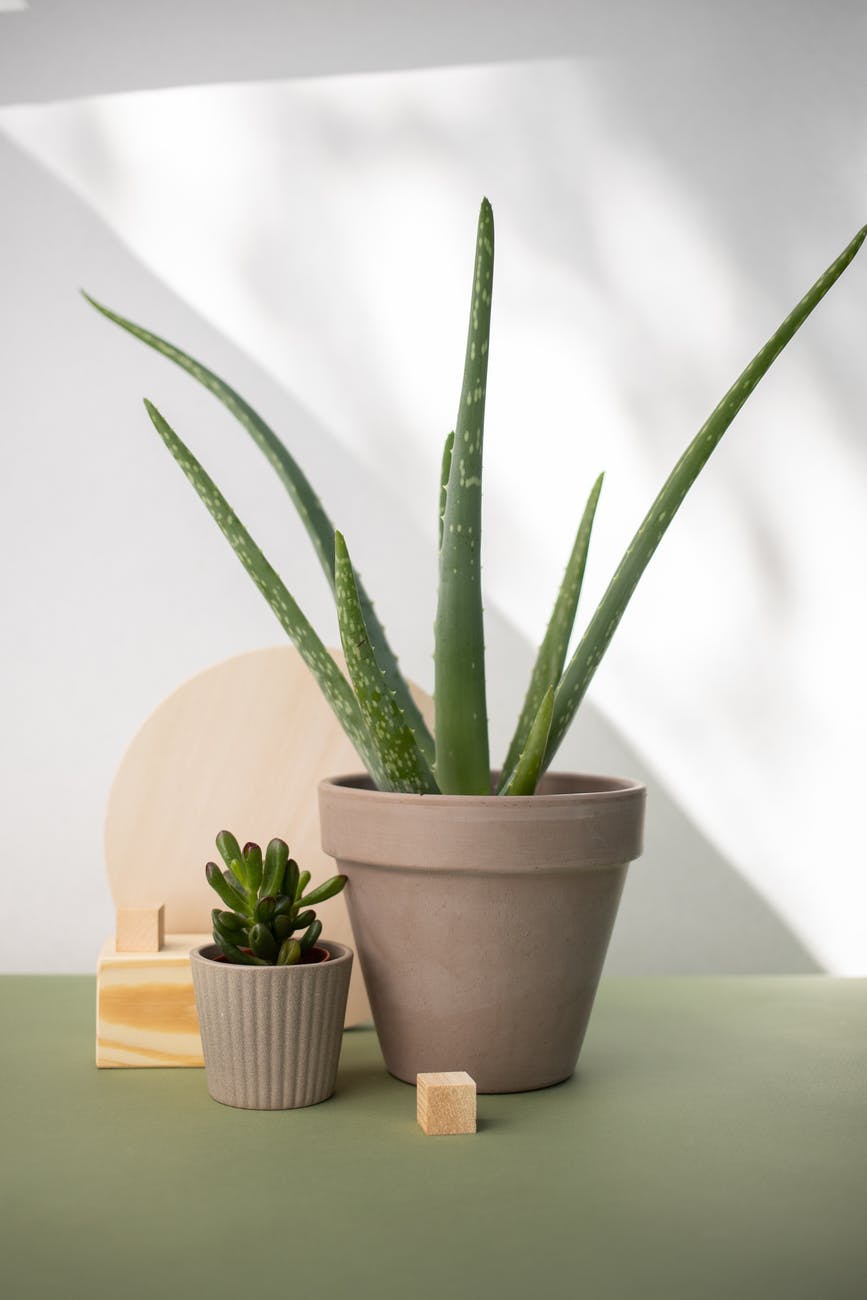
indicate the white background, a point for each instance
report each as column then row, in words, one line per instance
column 666, row 183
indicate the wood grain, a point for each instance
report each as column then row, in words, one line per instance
column 446, row 1103
column 139, row 929
column 145, row 1006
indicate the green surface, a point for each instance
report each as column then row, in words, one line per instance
column 713, row 1144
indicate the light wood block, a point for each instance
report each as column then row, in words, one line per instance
column 140, row 929
column 145, row 1005
column 446, row 1103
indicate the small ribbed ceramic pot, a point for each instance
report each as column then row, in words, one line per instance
column 271, row 1035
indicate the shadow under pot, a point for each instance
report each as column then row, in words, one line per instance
column 271, row 1035
column 482, row 921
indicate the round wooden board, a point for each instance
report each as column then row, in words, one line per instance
column 241, row 746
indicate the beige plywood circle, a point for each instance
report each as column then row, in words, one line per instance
column 241, row 746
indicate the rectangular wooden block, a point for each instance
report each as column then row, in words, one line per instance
column 446, row 1103
column 145, row 1005
column 140, row 929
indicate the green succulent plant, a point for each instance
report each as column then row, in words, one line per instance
column 270, row 920
column 375, row 706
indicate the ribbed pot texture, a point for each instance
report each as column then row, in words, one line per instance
column 482, row 922
column 271, row 1035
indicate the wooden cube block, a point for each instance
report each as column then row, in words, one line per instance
column 140, row 929
column 146, row 1007
column 446, row 1103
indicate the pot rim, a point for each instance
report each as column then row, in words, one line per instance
column 597, row 787
column 597, row 824
column 339, row 954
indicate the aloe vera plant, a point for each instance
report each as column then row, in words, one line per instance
column 375, row 706
column 269, row 919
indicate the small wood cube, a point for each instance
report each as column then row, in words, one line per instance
column 446, row 1103
column 140, row 929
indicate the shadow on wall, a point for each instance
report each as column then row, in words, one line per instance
column 143, row 597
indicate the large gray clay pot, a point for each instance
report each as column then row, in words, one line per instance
column 271, row 1035
column 482, row 922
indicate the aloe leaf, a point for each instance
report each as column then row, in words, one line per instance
column 555, row 643
column 404, row 766
column 462, row 763
column 319, row 527
column 444, row 479
column 333, row 684
column 603, row 624
column 524, row 778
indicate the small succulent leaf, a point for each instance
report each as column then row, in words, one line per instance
column 444, row 479
column 552, row 652
column 240, row 871
column 405, row 767
column 303, row 919
column 282, row 925
column 327, row 889
column 253, row 861
column 233, row 880
column 274, row 875
column 263, row 943
column 310, row 936
column 284, row 905
column 331, row 681
column 290, row 953
column 265, row 909
column 528, row 769
column 231, row 922
column 303, row 882
column 229, row 848
column 231, row 952
column 232, row 897
column 593, row 644
column 461, row 728
column 236, row 938
column 319, row 527
column 293, row 876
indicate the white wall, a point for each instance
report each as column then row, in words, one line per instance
column 654, row 224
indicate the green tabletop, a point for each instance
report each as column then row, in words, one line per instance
column 712, row 1144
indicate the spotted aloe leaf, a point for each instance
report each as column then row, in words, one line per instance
column 595, row 641
column 552, row 652
column 319, row 527
column 444, row 479
column 333, row 684
column 404, row 766
column 462, row 764
column 528, row 768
